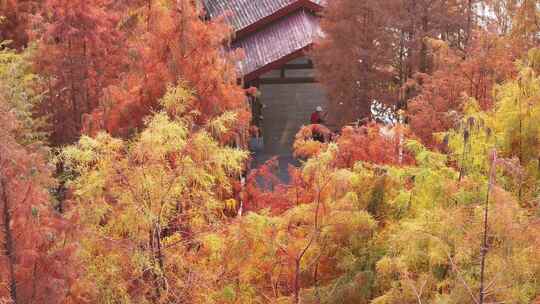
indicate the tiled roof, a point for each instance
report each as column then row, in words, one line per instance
column 287, row 36
column 242, row 13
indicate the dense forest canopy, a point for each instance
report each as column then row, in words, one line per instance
column 122, row 169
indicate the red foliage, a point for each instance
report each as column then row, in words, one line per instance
column 374, row 144
column 34, row 254
column 79, row 54
column 489, row 61
column 265, row 190
column 17, row 19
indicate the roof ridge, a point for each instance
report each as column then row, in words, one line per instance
column 248, row 16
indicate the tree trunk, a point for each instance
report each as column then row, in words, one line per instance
column 484, row 248
column 469, row 23
column 155, row 278
column 424, row 61
column 297, row 281
column 157, row 258
column 8, row 243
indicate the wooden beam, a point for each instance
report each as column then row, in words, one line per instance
column 289, row 80
column 277, row 64
column 298, row 66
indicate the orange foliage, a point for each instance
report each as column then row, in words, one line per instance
column 373, row 143
column 489, row 61
column 305, row 147
column 353, row 29
column 173, row 46
column 265, row 190
column 34, row 254
column 371, row 48
column 79, row 54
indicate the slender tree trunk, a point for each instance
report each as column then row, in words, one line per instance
column 424, row 65
column 466, row 136
column 8, row 242
column 85, row 78
column 520, row 146
column 155, row 278
column 316, row 281
column 484, row 249
column 297, row 281
column 157, row 258
column 483, row 252
column 149, row 10
column 159, row 253
column 74, row 102
column 469, row 23
column 34, row 283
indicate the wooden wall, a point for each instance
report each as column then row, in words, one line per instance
column 287, row 108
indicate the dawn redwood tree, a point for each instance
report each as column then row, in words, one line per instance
column 35, row 253
column 374, row 143
column 172, row 45
column 488, row 61
column 299, row 251
column 146, row 204
column 525, row 24
column 513, row 18
column 371, row 216
column 415, row 205
column 78, row 55
column 353, row 58
column 477, row 234
column 372, row 48
column 441, row 96
column 16, row 20
column 19, row 88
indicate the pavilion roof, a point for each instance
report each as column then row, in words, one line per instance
column 277, row 43
column 249, row 15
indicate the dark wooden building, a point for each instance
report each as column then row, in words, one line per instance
column 275, row 35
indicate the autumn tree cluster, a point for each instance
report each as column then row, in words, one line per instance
column 104, row 75
column 123, row 178
column 422, row 55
